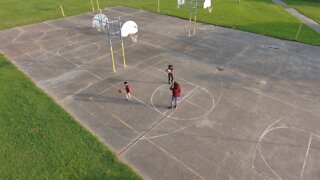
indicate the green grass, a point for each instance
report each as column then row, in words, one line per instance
column 257, row 16
column 39, row 140
column 310, row 8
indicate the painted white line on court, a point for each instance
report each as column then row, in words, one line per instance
column 78, row 47
column 21, row 31
column 112, row 86
column 143, row 102
column 195, row 105
column 93, row 74
column 261, row 136
column 269, row 129
column 207, row 111
column 261, row 154
column 177, row 160
column 172, row 132
column 305, row 159
column 40, row 64
column 67, row 59
column 116, row 117
column 183, row 98
column 48, row 39
column 62, row 76
column 78, row 91
column 276, row 99
column 162, row 113
column 213, row 107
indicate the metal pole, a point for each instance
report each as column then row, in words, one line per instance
column 298, row 31
column 122, row 46
column 123, row 55
column 92, row 6
column 190, row 15
column 189, row 26
column 62, row 11
column 195, row 18
column 111, row 50
column 98, row 5
column 112, row 58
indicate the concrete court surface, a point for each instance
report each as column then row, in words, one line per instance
column 259, row 118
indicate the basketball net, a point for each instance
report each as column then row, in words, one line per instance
column 134, row 37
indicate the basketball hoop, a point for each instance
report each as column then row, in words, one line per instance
column 99, row 21
column 130, row 28
column 194, row 6
column 180, row 3
column 207, row 4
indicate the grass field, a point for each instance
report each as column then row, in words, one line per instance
column 310, row 8
column 258, row 16
column 39, row 140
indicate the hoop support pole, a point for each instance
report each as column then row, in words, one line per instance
column 194, row 23
column 92, row 6
column 123, row 55
column 62, row 12
column 189, row 26
column 195, row 17
column 112, row 58
column 98, row 5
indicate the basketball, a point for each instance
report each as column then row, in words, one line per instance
column 119, row 90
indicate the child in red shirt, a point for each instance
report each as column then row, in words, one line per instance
column 128, row 91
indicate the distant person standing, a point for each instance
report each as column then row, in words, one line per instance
column 128, row 91
column 169, row 70
column 176, row 90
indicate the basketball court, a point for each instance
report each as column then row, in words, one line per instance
column 250, row 105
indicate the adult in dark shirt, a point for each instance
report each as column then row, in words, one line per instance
column 176, row 90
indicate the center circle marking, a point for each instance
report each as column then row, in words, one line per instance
column 182, row 99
